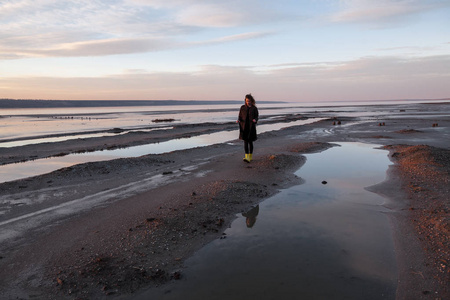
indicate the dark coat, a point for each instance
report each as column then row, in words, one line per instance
column 247, row 128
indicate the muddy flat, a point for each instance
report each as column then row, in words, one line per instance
column 118, row 228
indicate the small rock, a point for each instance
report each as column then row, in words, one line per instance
column 219, row 222
column 324, row 182
column 176, row 275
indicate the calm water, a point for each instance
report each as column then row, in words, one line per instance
column 36, row 167
column 33, row 123
column 29, row 123
column 312, row 241
column 30, row 126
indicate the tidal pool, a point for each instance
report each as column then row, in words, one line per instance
column 311, row 241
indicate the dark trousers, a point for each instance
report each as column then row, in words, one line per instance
column 248, row 147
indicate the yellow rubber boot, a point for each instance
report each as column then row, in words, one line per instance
column 250, row 157
column 246, row 158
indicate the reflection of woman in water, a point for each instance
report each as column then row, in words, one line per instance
column 251, row 216
column 248, row 117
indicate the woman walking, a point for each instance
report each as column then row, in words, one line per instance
column 248, row 117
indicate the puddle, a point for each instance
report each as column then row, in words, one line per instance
column 36, row 167
column 311, row 241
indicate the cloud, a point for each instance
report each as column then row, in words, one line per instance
column 107, row 47
column 47, row 28
column 366, row 78
column 212, row 15
column 200, row 13
column 166, row 4
column 113, row 46
column 218, row 13
column 383, row 11
column 369, row 69
column 237, row 37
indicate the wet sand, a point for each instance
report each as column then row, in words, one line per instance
column 117, row 227
column 310, row 241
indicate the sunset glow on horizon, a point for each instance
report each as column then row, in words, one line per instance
column 313, row 50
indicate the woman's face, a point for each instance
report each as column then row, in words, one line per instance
column 248, row 102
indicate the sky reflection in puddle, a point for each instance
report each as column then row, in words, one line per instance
column 312, row 241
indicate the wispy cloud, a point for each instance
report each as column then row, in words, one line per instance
column 383, row 12
column 43, row 28
column 217, row 13
column 237, row 37
column 112, row 46
column 102, row 48
column 211, row 15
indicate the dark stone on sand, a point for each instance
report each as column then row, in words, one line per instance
column 116, row 130
column 162, row 120
column 176, row 275
column 219, row 222
column 324, row 182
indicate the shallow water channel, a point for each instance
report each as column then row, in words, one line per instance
column 36, row 167
column 311, row 241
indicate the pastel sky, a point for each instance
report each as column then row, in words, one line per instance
column 284, row 50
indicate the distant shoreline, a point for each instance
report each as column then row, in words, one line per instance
column 37, row 103
column 28, row 103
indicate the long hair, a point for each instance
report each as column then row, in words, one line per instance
column 250, row 97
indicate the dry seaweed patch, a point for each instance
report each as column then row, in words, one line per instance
column 408, row 131
column 277, row 161
column 310, row 147
column 426, row 176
